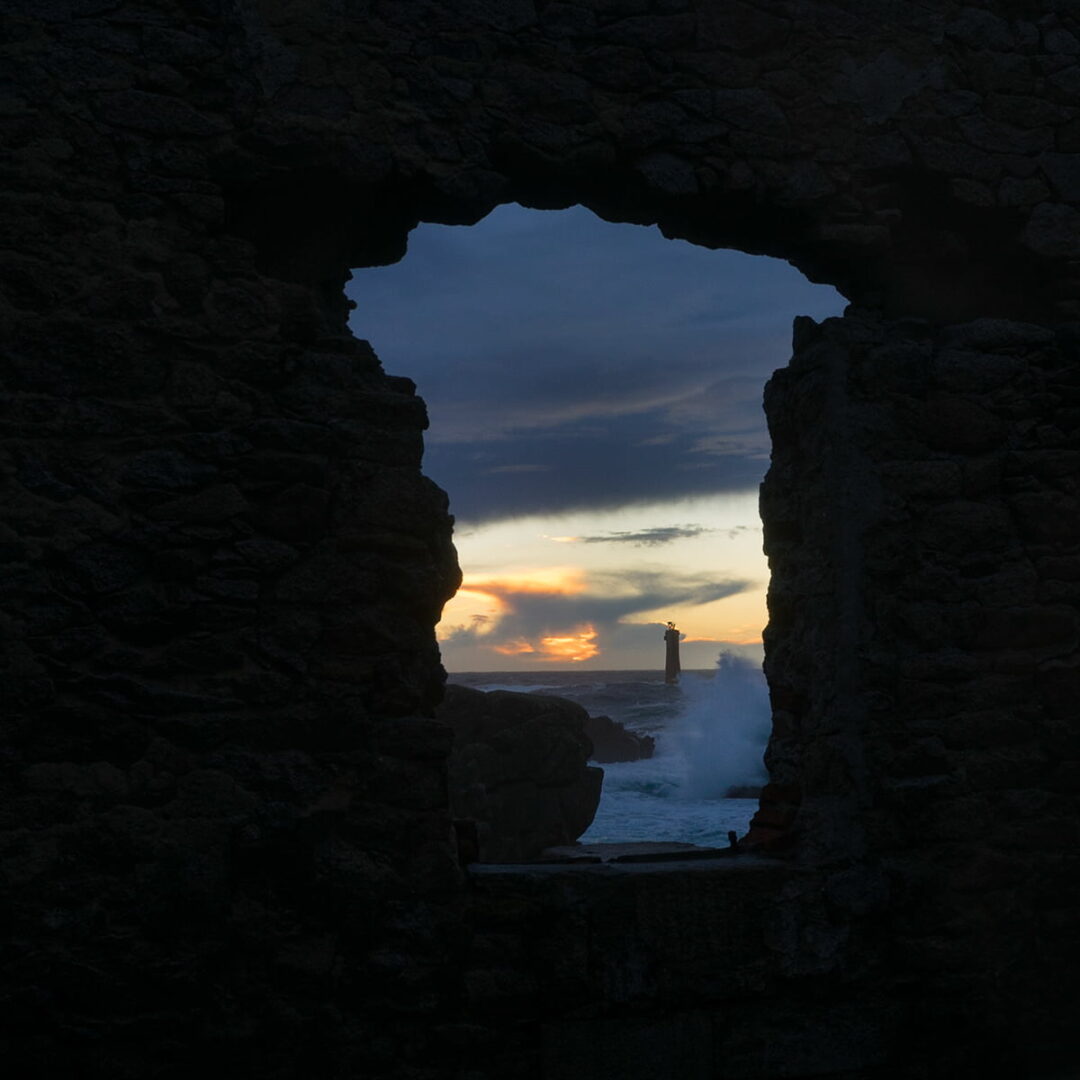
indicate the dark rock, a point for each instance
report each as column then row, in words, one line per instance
column 519, row 769
column 612, row 742
column 743, row 791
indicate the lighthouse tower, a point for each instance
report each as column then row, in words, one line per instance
column 672, row 668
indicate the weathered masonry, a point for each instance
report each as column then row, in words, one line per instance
column 224, row 822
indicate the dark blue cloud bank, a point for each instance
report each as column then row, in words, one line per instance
column 569, row 363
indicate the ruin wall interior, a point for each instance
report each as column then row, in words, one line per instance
column 223, row 816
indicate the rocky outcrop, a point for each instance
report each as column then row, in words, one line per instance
column 612, row 742
column 519, row 769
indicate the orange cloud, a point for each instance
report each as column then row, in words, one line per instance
column 550, row 580
column 482, row 599
column 478, row 598
column 471, row 609
column 540, row 614
column 575, row 647
column 579, row 644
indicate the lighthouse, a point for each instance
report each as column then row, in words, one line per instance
column 671, row 668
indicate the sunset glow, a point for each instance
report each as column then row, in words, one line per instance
column 595, row 395
column 578, row 646
column 557, row 580
column 472, row 607
column 610, row 606
column 574, row 647
column 740, row 635
column 485, row 598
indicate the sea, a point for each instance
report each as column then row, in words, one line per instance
column 710, row 730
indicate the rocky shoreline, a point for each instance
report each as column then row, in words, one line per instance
column 520, row 778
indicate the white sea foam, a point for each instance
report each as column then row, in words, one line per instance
column 714, row 741
column 723, row 728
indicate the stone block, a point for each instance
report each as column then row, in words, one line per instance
column 1057, row 686
column 992, row 335
column 219, row 503
column 1047, row 517
column 1030, row 627
column 1053, row 230
column 1001, row 769
column 985, row 728
column 209, row 793
column 105, row 566
column 296, row 514
column 961, row 527
column 959, row 425
column 987, row 870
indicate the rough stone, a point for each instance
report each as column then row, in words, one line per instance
column 219, row 548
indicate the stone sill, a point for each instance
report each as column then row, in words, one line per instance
column 646, row 857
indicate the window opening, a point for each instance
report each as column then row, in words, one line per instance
column 595, row 401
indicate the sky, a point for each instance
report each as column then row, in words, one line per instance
column 595, row 395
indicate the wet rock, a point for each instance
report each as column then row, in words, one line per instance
column 612, row 742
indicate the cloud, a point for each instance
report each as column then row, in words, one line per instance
column 569, row 363
column 642, row 538
column 660, row 534
column 600, row 467
column 547, row 386
column 572, row 617
column 574, row 646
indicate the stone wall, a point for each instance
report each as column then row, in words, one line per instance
column 928, row 725
column 224, row 818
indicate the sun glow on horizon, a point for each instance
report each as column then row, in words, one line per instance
column 485, row 599
column 576, row 646
column 524, row 604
